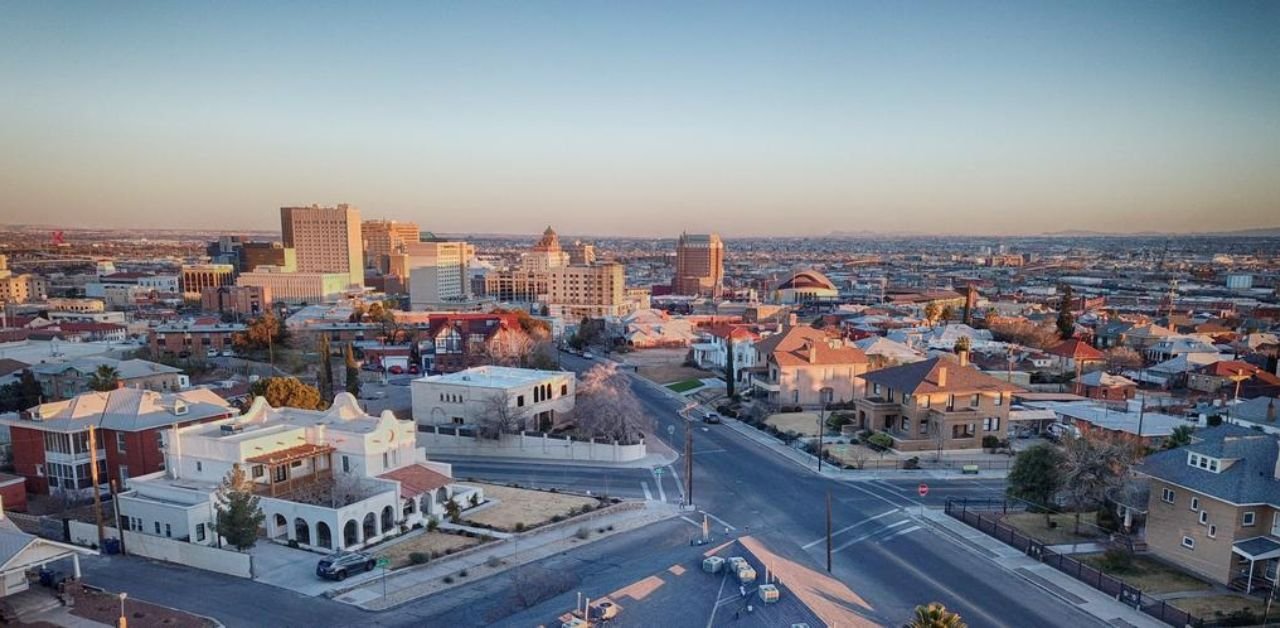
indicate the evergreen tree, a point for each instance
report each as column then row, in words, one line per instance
column 729, row 379
column 1066, row 319
column 288, row 392
column 1036, row 475
column 353, row 372
column 239, row 515
column 29, row 390
column 326, row 369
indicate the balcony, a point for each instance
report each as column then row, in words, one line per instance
column 764, row 384
column 876, row 403
column 956, row 414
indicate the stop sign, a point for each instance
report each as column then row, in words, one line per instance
column 923, row 490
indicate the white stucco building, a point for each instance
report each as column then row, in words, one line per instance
column 531, row 397
column 333, row 479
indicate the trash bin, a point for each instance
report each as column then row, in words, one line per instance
column 111, row 546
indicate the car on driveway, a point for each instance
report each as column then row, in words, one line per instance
column 339, row 565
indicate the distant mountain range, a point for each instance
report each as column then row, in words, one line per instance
column 1261, row 232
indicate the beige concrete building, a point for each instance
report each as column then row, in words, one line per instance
column 546, row 254
column 298, row 287
column 699, row 265
column 574, row 292
column 241, row 300
column 803, row 366
column 255, row 254
column 197, row 277
column 382, row 238
column 325, row 240
column 936, row 403
column 437, row 273
column 1214, row 507
column 20, row 288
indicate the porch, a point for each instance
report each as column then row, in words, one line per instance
column 281, row 473
column 1258, row 564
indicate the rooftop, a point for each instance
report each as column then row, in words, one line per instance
column 1249, row 479
column 502, row 377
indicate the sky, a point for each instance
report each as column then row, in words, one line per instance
column 645, row 118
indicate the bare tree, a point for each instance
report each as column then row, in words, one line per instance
column 499, row 417
column 1122, row 357
column 509, row 347
column 607, row 407
column 937, row 436
column 1094, row 465
column 534, row 584
column 341, row 490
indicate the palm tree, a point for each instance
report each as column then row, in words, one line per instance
column 104, row 378
column 935, row 615
column 1180, row 437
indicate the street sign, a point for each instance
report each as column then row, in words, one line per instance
column 923, row 490
column 384, row 562
column 657, row 473
column 671, row 430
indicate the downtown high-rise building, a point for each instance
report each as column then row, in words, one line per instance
column 383, row 238
column 699, row 265
column 325, row 239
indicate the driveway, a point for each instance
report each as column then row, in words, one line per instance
column 295, row 570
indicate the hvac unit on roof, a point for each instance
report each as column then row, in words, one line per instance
column 232, row 428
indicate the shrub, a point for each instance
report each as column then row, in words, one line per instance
column 433, row 524
column 1107, row 520
column 553, row 490
column 418, row 558
column 1116, row 560
column 519, row 527
column 990, row 442
column 493, row 561
column 609, row 528
column 557, row 518
column 293, row 543
column 448, row 579
column 880, row 441
column 599, row 530
column 582, row 533
column 475, row 499
column 462, row 574
column 1239, row 617
column 911, row 463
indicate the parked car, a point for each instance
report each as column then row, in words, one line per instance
column 711, row 417
column 587, row 355
column 396, row 370
column 339, row 565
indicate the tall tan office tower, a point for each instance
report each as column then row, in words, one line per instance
column 699, row 265
column 325, row 239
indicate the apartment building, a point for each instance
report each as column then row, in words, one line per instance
column 300, row 287
column 338, row 479
column 699, row 265
column 598, row 291
column 63, row 380
column 22, row 288
column 197, row 277
column 51, row 441
column 935, row 403
column 803, row 366
column 382, row 238
column 438, row 274
column 1214, row 507
column 239, row 300
column 581, row 253
column 325, row 240
column 193, row 338
column 530, row 398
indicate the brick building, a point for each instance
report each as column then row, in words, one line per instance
column 187, row 338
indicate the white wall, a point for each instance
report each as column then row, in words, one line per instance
column 521, row 446
column 475, row 401
column 170, row 550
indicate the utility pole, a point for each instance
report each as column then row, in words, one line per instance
column 821, row 417
column 93, row 477
column 688, row 464
column 828, row 530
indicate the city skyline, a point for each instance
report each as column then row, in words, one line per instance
column 648, row 121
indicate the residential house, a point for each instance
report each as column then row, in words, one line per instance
column 1258, row 413
column 1174, row 346
column 1221, row 376
column 1076, row 356
column 883, row 352
column 936, row 403
column 335, row 479
column 1105, row 386
column 63, row 380
column 1215, row 506
column 22, row 553
column 1140, row 337
column 51, row 441
column 803, row 366
column 528, row 399
column 1129, row 423
column 198, row 337
column 713, row 352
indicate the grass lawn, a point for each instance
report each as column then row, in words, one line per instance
column 802, row 423
column 427, row 543
column 1150, row 575
column 1033, row 525
column 1208, row 608
column 685, row 386
column 519, row 505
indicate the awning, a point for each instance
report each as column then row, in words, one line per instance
column 290, row 454
column 1258, row 548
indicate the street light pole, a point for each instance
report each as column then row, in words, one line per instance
column 821, row 418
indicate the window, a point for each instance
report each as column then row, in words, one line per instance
column 281, row 473
column 1167, row 496
column 1188, row 542
column 157, row 528
column 906, row 425
column 999, row 399
column 346, row 464
column 875, row 389
column 564, row 389
column 257, row 471
column 120, row 442
column 991, row 424
column 123, row 470
column 1204, row 517
column 200, row 534
column 1195, row 503
column 168, row 531
column 520, row 401
column 1213, row 531
column 199, row 466
column 386, row 460
column 1213, row 465
column 1248, row 519
column 974, row 400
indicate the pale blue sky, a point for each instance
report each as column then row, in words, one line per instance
column 646, row 118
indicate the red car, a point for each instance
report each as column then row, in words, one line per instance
column 396, row 370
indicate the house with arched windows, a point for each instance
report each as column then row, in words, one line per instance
column 331, row 479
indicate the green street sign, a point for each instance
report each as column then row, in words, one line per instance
column 657, row 472
column 384, row 562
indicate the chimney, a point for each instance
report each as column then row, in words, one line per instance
column 812, row 350
column 119, row 384
column 964, row 357
column 791, row 320
column 942, row 376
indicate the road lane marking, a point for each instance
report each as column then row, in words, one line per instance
column 850, row 527
column 648, row 496
column 691, row 522
column 675, row 477
column 662, row 494
column 870, row 534
column 882, row 497
column 718, row 520
column 899, row 533
column 714, row 607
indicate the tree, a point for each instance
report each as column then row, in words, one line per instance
column 353, row 371
column 104, row 378
column 452, row 510
column 1121, row 358
column 935, row 615
column 29, row 391
column 729, row 380
column 509, row 347
column 1036, row 476
column 606, row 405
column 947, row 313
column 326, row 368
column 288, row 392
column 1025, row 333
column 1180, row 437
column 499, row 417
column 1066, row 318
column 239, row 515
column 962, row 345
column 932, row 312
column 264, row 332
column 1092, row 466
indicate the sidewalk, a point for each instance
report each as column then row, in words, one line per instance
column 1070, row 590
column 660, row 455
column 410, row 584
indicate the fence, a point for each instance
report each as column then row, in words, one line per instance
column 980, row 514
column 449, row 440
column 168, row 550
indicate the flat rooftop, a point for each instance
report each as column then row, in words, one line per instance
column 1152, row 423
column 501, row 377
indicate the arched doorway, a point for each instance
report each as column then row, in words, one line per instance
column 350, row 534
column 280, row 528
column 370, row 526
column 388, row 518
column 302, row 531
column 323, row 538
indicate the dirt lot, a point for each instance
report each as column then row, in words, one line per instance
column 1033, row 525
column 1208, row 608
column 518, row 505
column 1151, row 575
column 427, row 543
column 104, row 608
column 672, row 373
column 802, row 423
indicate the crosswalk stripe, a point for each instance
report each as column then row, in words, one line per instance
column 850, row 527
column 648, row 496
column 870, row 534
column 899, row 533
